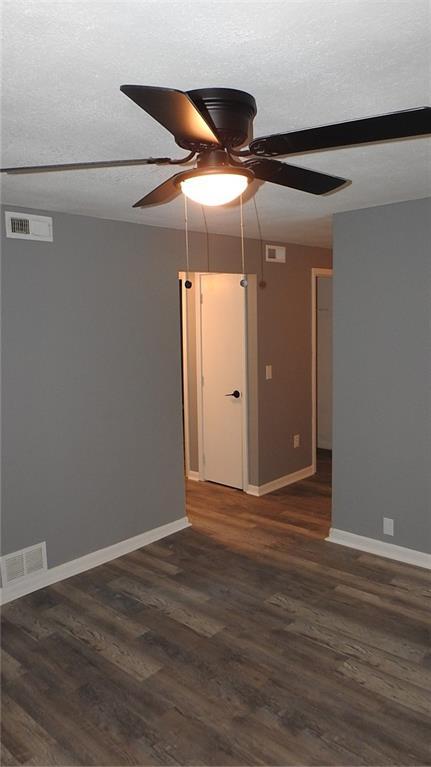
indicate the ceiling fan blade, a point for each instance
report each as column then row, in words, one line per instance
column 163, row 193
column 175, row 111
column 370, row 130
column 296, row 178
column 85, row 165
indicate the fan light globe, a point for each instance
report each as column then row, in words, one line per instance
column 214, row 188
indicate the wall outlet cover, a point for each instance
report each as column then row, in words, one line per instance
column 388, row 526
column 296, row 440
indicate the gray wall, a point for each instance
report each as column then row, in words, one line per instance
column 382, row 372
column 91, row 387
column 284, row 340
column 91, row 432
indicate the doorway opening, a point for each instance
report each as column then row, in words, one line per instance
column 214, row 369
column 321, row 385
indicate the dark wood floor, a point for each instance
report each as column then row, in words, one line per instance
column 244, row 640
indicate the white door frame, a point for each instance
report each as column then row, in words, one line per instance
column 244, row 394
column 185, row 347
column 315, row 273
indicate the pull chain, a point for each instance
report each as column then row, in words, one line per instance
column 262, row 282
column 244, row 281
column 207, row 238
column 188, row 283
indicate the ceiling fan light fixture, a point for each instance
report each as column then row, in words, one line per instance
column 215, row 187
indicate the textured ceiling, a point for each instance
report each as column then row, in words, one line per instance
column 307, row 63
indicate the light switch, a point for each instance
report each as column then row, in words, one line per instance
column 268, row 372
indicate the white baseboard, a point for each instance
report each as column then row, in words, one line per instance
column 88, row 561
column 277, row 484
column 194, row 475
column 380, row 548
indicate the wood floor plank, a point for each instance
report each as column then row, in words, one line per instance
column 11, row 668
column 32, row 657
column 180, row 611
column 171, row 585
column 6, row 757
column 370, row 678
column 23, row 616
column 107, row 619
column 413, row 647
column 62, row 718
column 126, row 656
column 26, row 740
column 410, row 671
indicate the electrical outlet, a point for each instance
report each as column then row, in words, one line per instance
column 268, row 372
column 388, row 526
column 296, row 440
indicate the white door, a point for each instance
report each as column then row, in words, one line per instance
column 222, row 312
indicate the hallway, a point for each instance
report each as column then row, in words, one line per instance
column 298, row 512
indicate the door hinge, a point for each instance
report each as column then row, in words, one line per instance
column 202, row 298
column 202, row 381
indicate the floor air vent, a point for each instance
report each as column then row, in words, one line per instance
column 23, row 564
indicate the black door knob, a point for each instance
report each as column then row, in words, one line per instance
column 235, row 394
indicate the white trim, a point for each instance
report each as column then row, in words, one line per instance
column 244, row 388
column 88, row 561
column 380, row 548
column 185, row 325
column 276, row 484
column 193, row 475
column 315, row 273
column 199, row 393
column 190, row 473
column 253, row 490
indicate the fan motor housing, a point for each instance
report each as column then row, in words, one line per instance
column 214, row 161
column 230, row 111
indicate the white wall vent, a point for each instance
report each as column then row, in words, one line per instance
column 275, row 253
column 26, row 226
column 23, row 564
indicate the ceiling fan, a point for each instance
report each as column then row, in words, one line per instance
column 215, row 124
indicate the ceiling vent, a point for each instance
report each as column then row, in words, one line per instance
column 26, row 226
column 23, row 564
column 275, row 254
